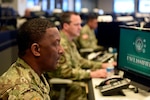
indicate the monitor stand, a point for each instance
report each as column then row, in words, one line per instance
column 137, row 86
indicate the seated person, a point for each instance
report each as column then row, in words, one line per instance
column 27, row 13
column 71, row 65
column 39, row 50
column 87, row 38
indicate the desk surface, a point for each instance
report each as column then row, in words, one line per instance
column 129, row 94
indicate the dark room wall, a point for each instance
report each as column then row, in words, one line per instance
column 90, row 4
column 106, row 5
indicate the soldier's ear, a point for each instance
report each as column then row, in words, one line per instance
column 65, row 25
column 35, row 48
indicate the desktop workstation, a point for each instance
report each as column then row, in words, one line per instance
column 133, row 63
column 102, row 79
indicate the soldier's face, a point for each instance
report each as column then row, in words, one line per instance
column 74, row 25
column 93, row 23
column 50, row 49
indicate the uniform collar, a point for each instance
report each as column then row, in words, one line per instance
column 35, row 79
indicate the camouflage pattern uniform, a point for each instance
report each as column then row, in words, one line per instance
column 71, row 66
column 20, row 82
column 87, row 39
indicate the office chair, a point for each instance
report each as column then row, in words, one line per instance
column 61, row 84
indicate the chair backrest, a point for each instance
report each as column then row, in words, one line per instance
column 105, row 18
column 124, row 18
column 84, row 10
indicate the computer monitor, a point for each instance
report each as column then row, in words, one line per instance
column 134, row 56
column 108, row 34
column 124, row 6
column 144, row 6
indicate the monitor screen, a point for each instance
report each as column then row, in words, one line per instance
column 124, row 6
column 107, row 34
column 144, row 6
column 134, row 55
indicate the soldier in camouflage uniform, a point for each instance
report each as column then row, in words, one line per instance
column 72, row 65
column 87, row 38
column 39, row 51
